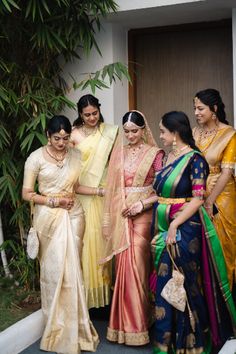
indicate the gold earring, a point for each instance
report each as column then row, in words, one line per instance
column 213, row 116
column 49, row 142
column 174, row 143
column 175, row 150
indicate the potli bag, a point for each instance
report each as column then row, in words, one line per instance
column 174, row 292
column 32, row 246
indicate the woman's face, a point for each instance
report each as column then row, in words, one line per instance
column 202, row 112
column 90, row 116
column 59, row 141
column 166, row 136
column 133, row 133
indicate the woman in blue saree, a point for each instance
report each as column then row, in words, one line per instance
column 210, row 317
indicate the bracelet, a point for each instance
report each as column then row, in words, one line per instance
column 100, row 192
column 52, row 202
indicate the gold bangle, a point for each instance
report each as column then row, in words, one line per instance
column 32, row 196
column 56, row 202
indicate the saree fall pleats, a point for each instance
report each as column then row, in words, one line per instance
column 68, row 329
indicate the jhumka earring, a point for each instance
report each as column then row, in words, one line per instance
column 213, row 116
column 175, row 150
column 49, row 142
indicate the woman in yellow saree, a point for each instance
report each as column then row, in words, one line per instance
column 59, row 221
column 131, row 172
column 217, row 142
column 94, row 139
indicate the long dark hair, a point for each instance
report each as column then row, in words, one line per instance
column 85, row 101
column 211, row 97
column 177, row 121
column 134, row 117
column 57, row 123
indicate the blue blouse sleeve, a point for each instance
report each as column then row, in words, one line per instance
column 199, row 172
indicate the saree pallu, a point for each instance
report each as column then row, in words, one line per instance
column 68, row 329
column 95, row 151
column 221, row 153
column 199, row 257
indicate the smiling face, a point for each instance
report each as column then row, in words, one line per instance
column 59, row 141
column 90, row 116
column 166, row 136
column 202, row 112
column 133, row 133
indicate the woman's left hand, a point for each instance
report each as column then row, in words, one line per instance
column 171, row 237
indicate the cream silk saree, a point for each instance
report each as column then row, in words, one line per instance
column 68, row 329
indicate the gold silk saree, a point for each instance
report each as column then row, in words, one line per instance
column 68, row 329
column 220, row 152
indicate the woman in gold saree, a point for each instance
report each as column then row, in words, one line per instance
column 217, row 142
column 131, row 172
column 94, row 139
column 59, row 221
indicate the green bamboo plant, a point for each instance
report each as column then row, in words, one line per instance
column 33, row 35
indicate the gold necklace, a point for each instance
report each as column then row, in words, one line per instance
column 206, row 134
column 132, row 156
column 89, row 131
column 176, row 152
column 55, row 157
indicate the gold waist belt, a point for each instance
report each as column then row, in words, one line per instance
column 163, row 200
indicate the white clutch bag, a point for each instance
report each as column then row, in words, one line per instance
column 32, row 247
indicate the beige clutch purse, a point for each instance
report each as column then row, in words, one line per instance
column 32, row 246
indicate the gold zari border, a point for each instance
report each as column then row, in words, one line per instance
column 121, row 337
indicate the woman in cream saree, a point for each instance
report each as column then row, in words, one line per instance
column 94, row 139
column 59, row 221
column 131, row 173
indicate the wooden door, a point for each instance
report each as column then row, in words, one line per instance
column 169, row 65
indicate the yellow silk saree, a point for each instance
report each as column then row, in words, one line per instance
column 95, row 150
column 220, row 152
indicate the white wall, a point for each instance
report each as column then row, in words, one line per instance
column 125, row 5
column 112, row 41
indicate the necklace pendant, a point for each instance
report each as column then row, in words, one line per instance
column 60, row 163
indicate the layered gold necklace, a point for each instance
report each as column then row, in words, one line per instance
column 58, row 158
column 132, row 156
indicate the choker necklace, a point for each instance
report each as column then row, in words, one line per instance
column 176, row 152
column 203, row 142
column 58, row 159
column 89, row 131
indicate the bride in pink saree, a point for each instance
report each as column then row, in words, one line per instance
column 131, row 172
